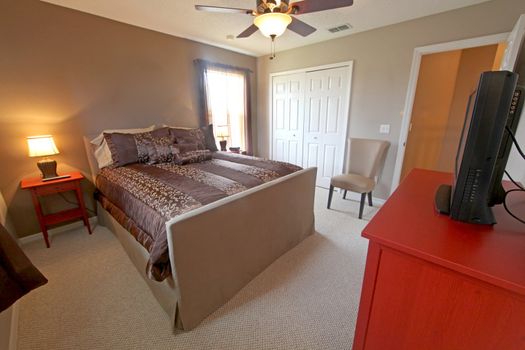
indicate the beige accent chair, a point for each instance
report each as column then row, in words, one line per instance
column 366, row 159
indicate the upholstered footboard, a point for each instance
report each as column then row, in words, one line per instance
column 217, row 249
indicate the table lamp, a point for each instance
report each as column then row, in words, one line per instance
column 43, row 146
column 222, row 133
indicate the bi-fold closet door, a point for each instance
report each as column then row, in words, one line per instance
column 310, row 118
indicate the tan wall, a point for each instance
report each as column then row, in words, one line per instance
column 430, row 114
column 382, row 60
column 69, row 74
column 473, row 62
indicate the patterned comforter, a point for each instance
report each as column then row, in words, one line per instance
column 143, row 197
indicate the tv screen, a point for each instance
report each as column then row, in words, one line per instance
column 481, row 152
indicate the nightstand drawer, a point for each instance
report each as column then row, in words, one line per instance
column 56, row 188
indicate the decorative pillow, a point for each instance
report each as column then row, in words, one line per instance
column 193, row 136
column 156, row 146
column 195, row 156
column 166, row 150
column 209, row 138
column 151, row 147
column 122, row 147
column 102, row 152
column 187, row 147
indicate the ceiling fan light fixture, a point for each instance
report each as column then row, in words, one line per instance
column 272, row 24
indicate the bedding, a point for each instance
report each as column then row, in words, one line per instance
column 209, row 138
column 142, row 197
column 157, row 146
column 101, row 150
column 119, row 147
column 189, row 135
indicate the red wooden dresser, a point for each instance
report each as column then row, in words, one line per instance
column 434, row 283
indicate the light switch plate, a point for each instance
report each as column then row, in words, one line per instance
column 384, row 129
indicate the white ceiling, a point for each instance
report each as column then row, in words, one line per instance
column 179, row 18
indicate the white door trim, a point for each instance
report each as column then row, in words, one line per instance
column 349, row 64
column 412, row 83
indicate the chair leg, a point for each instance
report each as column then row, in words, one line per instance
column 362, row 205
column 330, row 193
column 370, row 199
column 344, row 195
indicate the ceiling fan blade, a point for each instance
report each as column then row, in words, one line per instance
column 307, row 6
column 301, row 27
column 249, row 31
column 220, row 9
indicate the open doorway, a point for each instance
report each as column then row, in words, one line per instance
column 445, row 82
column 514, row 43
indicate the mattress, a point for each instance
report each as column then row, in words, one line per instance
column 143, row 197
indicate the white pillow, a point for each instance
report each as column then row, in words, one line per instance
column 101, row 150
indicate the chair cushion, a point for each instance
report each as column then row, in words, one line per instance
column 353, row 182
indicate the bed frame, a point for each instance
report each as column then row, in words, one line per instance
column 219, row 248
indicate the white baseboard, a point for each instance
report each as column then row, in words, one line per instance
column 13, row 335
column 51, row 232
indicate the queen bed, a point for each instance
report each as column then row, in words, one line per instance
column 199, row 231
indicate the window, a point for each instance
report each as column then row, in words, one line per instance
column 225, row 102
column 226, row 106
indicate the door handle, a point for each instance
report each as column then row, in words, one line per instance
column 315, row 137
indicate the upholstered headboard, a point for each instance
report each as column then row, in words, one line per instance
column 3, row 210
column 93, row 165
column 9, row 317
column 4, row 217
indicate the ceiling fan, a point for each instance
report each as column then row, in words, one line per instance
column 272, row 17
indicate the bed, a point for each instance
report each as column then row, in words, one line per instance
column 215, row 249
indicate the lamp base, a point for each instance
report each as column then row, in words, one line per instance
column 48, row 167
column 223, row 145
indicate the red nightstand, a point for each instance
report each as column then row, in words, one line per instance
column 40, row 188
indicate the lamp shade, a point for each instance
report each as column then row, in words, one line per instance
column 41, row 146
column 222, row 131
column 272, row 23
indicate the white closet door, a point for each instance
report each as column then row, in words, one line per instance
column 288, row 117
column 326, row 117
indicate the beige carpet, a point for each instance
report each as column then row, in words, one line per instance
column 95, row 298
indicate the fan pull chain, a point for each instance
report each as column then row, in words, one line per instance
column 272, row 56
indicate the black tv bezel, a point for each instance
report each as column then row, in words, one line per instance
column 497, row 192
column 475, row 178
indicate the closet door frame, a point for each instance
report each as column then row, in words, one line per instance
column 349, row 65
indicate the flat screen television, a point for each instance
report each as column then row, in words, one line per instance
column 483, row 150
